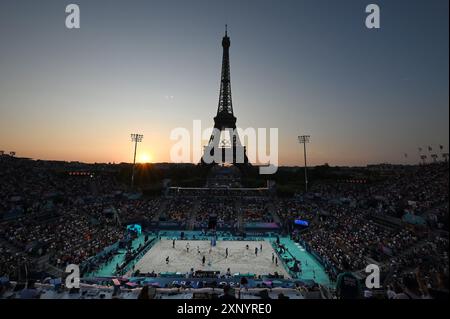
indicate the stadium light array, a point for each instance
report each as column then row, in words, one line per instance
column 304, row 139
column 136, row 138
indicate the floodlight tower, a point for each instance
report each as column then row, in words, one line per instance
column 424, row 159
column 443, row 153
column 420, row 153
column 434, row 157
column 304, row 139
column 136, row 138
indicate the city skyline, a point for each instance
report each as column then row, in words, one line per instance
column 304, row 67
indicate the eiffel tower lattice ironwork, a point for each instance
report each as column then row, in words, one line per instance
column 232, row 152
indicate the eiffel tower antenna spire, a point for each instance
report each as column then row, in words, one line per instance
column 226, row 30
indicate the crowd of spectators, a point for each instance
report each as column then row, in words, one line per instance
column 179, row 210
column 72, row 213
column 222, row 208
column 255, row 209
column 345, row 234
column 67, row 214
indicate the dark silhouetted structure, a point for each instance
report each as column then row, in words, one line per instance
column 225, row 121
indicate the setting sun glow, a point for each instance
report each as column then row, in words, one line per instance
column 145, row 158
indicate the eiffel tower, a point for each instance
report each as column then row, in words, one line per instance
column 225, row 121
